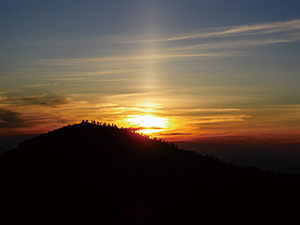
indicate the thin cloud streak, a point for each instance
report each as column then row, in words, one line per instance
column 71, row 62
column 40, row 85
column 206, row 110
column 256, row 29
column 261, row 35
column 236, row 44
column 220, row 119
column 287, row 27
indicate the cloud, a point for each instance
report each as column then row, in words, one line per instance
column 22, row 99
column 249, row 36
column 42, row 100
column 103, row 80
column 204, row 120
column 55, row 102
column 144, row 128
column 174, row 134
column 263, row 28
column 125, row 58
column 2, row 98
column 40, row 85
column 255, row 29
column 236, row 44
column 207, row 110
column 10, row 119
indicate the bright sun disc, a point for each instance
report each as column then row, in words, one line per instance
column 149, row 121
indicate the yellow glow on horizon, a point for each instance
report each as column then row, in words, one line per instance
column 149, row 123
column 149, row 131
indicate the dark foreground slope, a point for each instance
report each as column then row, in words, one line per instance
column 88, row 173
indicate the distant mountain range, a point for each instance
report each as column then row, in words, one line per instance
column 88, row 173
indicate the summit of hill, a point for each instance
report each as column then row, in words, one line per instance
column 98, row 172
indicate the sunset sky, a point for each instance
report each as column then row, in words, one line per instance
column 198, row 70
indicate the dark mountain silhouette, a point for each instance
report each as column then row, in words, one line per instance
column 89, row 173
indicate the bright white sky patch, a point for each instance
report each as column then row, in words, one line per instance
column 149, row 121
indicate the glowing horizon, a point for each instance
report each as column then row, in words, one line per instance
column 148, row 124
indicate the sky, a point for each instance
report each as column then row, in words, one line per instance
column 187, row 71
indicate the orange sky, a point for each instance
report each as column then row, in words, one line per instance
column 207, row 73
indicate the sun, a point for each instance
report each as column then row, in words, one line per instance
column 149, row 123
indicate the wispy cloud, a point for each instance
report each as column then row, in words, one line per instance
column 41, row 100
column 255, row 29
column 173, row 134
column 249, row 36
column 220, row 119
column 126, row 58
column 41, row 85
column 207, row 110
column 236, row 44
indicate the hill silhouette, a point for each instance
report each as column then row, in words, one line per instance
column 85, row 172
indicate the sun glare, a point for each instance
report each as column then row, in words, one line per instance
column 149, row 123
